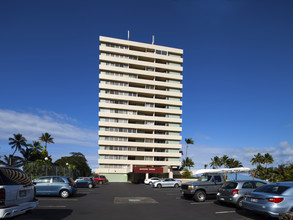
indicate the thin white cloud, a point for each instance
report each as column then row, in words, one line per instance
column 33, row 125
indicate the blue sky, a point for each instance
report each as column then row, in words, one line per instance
column 237, row 78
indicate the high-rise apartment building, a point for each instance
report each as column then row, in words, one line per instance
column 139, row 109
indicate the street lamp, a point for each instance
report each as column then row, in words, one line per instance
column 67, row 164
column 46, row 158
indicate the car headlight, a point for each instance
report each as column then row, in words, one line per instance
column 190, row 187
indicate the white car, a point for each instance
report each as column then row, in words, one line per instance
column 17, row 192
column 151, row 180
column 168, row 182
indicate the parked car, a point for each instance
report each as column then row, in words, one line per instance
column 168, row 182
column 17, row 192
column 55, row 186
column 271, row 199
column 85, row 182
column 207, row 184
column 234, row 191
column 100, row 179
column 151, row 180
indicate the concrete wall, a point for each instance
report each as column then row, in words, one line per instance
column 113, row 177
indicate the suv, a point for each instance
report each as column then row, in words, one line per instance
column 17, row 193
column 87, row 182
column 99, row 179
column 207, row 184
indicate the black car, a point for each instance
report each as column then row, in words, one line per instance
column 85, row 182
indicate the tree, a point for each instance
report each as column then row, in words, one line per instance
column 232, row 163
column 187, row 163
column 47, row 139
column 76, row 161
column 11, row 160
column 258, row 159
column 268, row 159
column 224, row 160
column 36, row 151
column 188, row 141
column 17, row 142
column 186, row 173
column 216, row 162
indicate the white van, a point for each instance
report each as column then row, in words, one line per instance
column 17, row 192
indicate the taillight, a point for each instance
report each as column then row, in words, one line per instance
column 235, row 191
column 275, row 200
column 2, row 195
column 70, row 184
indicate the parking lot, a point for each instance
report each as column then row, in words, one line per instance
column 132, row 201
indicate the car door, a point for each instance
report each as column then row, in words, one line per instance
column 247, row 187
column 56, row 185
column 42, row 185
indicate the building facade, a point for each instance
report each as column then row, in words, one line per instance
column 139, row 109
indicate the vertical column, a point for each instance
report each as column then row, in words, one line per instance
column 170, row 174
column 147, row 175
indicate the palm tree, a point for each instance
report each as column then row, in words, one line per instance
column 17, row 142
column 224, row 160
column 280, row 172
column 232, row 163
column 258, row 159
column 188, row 141
column 47, row 139
column 26, row 153
column 216, row 162
column 268, row 159
column 11, row 160
column 187, row 163
column 36, row 149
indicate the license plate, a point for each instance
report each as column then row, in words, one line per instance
column 182, row 193
column 22, row 193
column 253, row 200
column 222, row 199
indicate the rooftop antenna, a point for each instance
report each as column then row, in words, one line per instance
column 153, row 41
column 128, row 34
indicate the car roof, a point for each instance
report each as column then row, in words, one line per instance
column 284, row 183
column 241, row 181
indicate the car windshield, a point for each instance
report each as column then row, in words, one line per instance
column 274, row 189
column 205, row 178
column 229, row 185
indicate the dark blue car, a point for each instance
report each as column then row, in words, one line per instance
column 55, row 186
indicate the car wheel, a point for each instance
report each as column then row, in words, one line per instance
column 64, row 194
column 239, row 203
column 100, row 182
column 200, row 196
column 176, row 185
column 159, row 186
column 90, row 185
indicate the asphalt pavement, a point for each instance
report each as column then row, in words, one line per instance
column 132, row 201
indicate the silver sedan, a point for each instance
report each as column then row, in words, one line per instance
column 271, row 199
column 168, row 182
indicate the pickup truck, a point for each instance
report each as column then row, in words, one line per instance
column 208, row 184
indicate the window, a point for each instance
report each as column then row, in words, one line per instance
column 162, row 52
column 230, row 185
column 274, row 189
column 43, row 180
column 10, row 176
column 58, row 180
column 259, row 184
column 247, row 185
